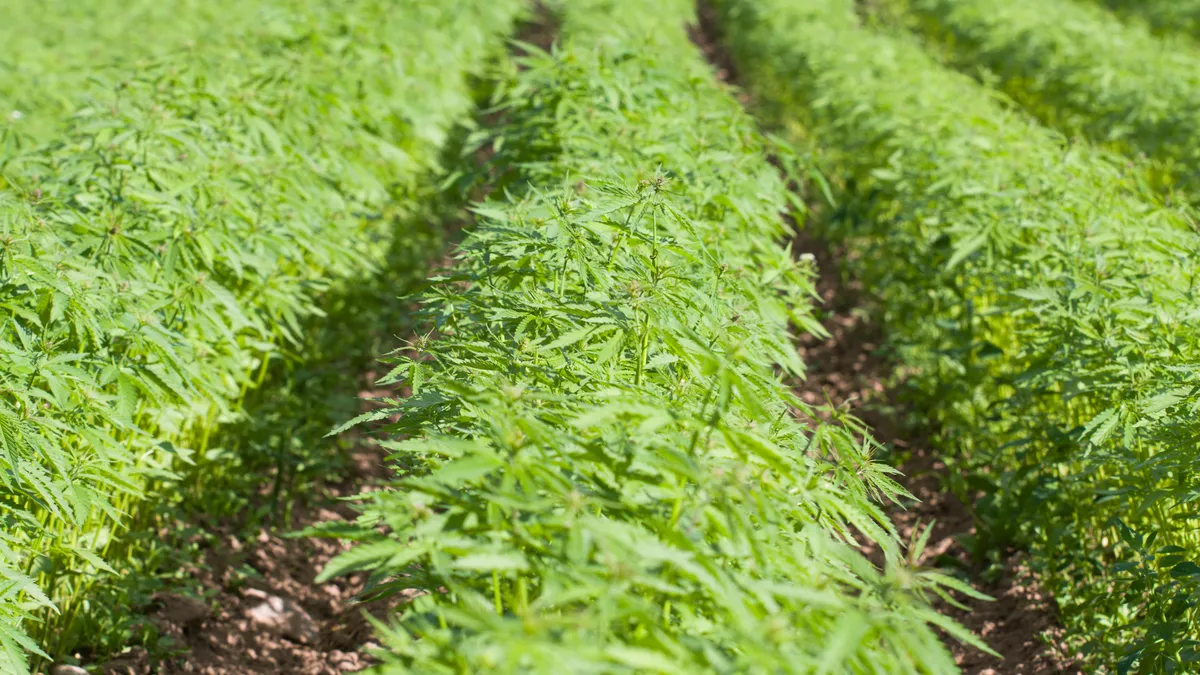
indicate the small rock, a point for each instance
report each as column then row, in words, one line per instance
column 136, row 661
column 410, row 594
column 181, row 609
column 284, row 617
column 67, row 670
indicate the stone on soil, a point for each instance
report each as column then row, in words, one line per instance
column 285, row 618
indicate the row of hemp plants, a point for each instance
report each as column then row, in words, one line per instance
column 1080, row 68
column 165, row 245
column 1044, row 307
column 601, row 466
column 53, row 48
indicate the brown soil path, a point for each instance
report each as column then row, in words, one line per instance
column 281, row 621
column 262, row 611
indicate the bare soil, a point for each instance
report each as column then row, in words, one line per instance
column 228, row 641
column 219, row 636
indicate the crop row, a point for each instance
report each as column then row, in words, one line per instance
column 164, row 245
column 603, row 468
column 1081, row 68
column 54, row 49
column 1045, row 308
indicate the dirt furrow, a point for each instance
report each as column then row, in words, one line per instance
column 848, row 369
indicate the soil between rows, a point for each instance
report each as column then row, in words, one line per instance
column 262, row 610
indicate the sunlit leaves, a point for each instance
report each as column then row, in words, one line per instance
column 612, row 475
column 1079, row 67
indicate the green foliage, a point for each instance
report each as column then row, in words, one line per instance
column 1163, row 16
column 1080, row 68
column 168, row 243
column 273, row 461
column 53, row 48
column 1044, row 304
column 602, row 469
